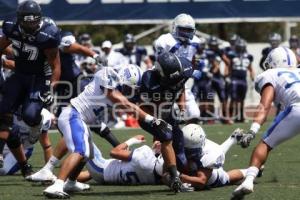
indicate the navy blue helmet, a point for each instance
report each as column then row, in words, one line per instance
column 173, row 70
column 29, row 16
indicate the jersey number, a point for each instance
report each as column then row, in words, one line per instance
column 31, row 50
column 130, row 177
column 291, row 78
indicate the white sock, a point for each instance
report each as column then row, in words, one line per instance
column 59, row 183
column 243, row 171
column 227, row 144
column 52, row 162
column 251, row 174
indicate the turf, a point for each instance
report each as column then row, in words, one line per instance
column 281, row 178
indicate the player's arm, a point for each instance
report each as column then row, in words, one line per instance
column 4, row 43
column 120, row 101
column 46, row 145
column 251, row 71
column 53, row 59
column 121, row 151
column 182, row 100
column 8, row 64
column 262, row 110
column 79, row 49
column 84, row 176
column 199, row 181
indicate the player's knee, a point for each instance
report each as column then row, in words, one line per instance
column 32, row 117
column 6, row 121
column 13, row 140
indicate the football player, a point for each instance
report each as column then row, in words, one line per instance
column 160, row 89
column 20, row 146
column 134, row 54
column 241, row 62
column 35, row 43
column 183, row 42
column 85, row 110
column 295, row 46
column 274, row 41
column 278, row 84
column 206, row 159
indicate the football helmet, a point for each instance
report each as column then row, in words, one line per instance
column 294, row 42
column 233, row 39
column 274, row 39
column 280, row 57
column 129, row 41
column 184, row 27
column 29, row 16
column 194, row 140
column 240, row 45
column 213, row 42
column 130, row 79
column 173, row 70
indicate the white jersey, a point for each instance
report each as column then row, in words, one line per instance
column 115, row 59
column 168, row 43
column 139, row 170
column 212, row 155
column 286, row 83
column 24, row 130
column 92, row 102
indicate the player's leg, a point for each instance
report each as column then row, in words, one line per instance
column 284, row 127
column 12, row 93
column 77, row 139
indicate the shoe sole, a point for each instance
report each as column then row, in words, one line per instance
column 241, row 194
column 73, row 191
column 55, row 196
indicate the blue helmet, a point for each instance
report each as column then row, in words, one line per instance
column 29, row 16
column 173, row 70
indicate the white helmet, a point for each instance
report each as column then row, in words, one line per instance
column 194, row 136
column 183, row 27
column 130, row 75
column 280, row 57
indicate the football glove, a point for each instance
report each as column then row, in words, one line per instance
column 45, row 94
column 247, row 138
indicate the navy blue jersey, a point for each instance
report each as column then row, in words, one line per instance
column 152, row 91
column 240, row 64
column 69, row 69
column 29, row 49
column 264, row 53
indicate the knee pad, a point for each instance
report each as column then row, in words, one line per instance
column 6, row 122
column 13, row 140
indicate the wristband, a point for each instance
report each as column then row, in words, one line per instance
column 132, row 141
column 148, row 118
column 255, row 127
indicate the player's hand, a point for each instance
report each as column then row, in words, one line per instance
column 247, row 138
column 138, row 139
column 46, row 97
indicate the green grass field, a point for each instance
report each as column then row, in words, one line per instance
column 281, row 178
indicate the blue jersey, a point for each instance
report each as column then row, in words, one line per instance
column 152, row 91
column 69, row 69
column 29, row 49
column 240, row 64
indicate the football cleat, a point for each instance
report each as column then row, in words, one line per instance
column 75, row 186
column 54, row 191
column 26, row 170
column 244, row 189
column 43, row 175
column 186, row 187
column 176, row 184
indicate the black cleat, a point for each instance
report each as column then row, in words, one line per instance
column 261, row 171
column 26, row 170
column 176, row 184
